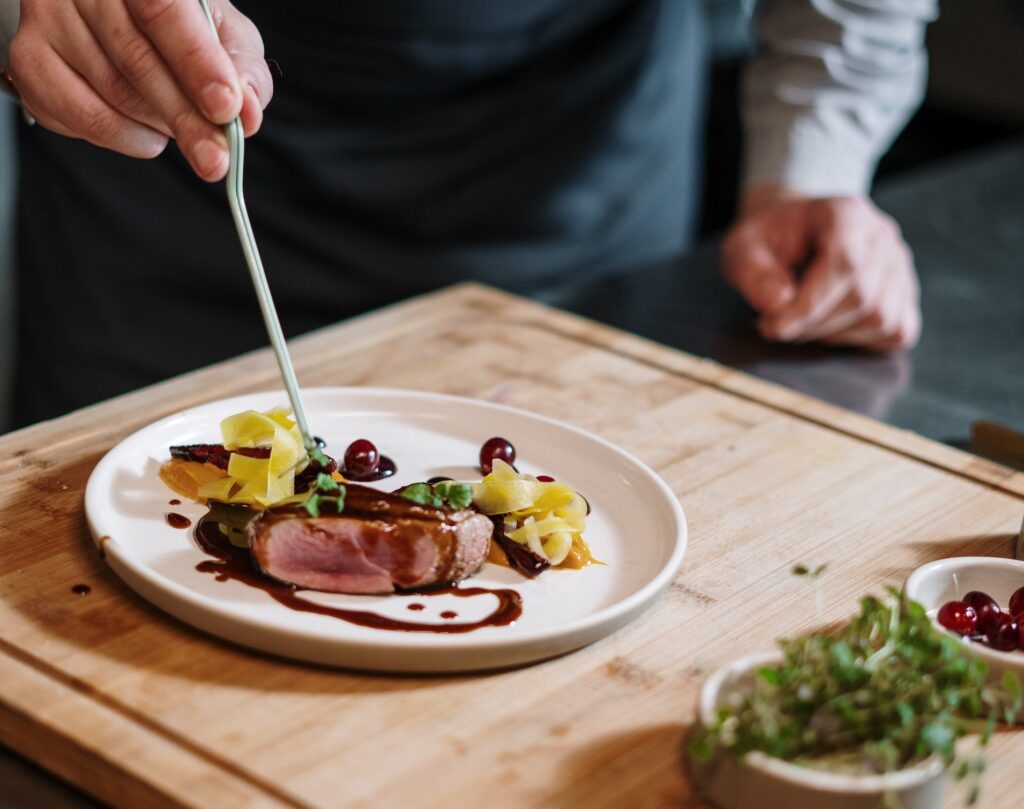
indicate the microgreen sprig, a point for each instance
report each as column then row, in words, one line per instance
column 326, row 491
column 448, row 492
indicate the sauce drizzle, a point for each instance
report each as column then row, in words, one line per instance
column 176, row 520
column 235, row 564
column 385, row 469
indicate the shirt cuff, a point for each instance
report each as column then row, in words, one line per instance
column 808, row 154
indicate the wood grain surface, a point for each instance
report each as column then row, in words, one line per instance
column 141, row 710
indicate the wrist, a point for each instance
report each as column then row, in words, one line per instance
column 757, row 198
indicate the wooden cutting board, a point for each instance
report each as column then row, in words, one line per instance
column 140, row 710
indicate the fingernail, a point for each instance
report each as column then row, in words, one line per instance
column 786, row 330
column 151, row 143
column 208, row 157
column 218, row 99
column 256, row 111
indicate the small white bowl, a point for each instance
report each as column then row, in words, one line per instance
column 935, row 583
column 762, row 781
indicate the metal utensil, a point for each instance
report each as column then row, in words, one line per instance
column 236, row 199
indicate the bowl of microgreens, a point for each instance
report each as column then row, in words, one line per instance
column 861, row 717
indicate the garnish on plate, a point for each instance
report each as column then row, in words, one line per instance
column 544, row 517
column 884, row 692
column 445, row 493
column 261, row 462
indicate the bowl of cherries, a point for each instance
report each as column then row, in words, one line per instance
column 980, row 599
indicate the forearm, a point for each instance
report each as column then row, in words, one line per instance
column 834, row 83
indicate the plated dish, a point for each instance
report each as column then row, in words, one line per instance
column 636, row 528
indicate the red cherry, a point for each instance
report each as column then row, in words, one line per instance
column 1006, row 636
column 987, row 610
column 496, row 449
column 361, row 458
column 958, row 617
column 1017, row 602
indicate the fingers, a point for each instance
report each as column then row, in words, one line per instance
column 895, row 322
column 756, row 272
column 180, row 33
column 244, row 45
column 133, row 55
column 63, row 101
column 859, row 289
column 840, row 268
column 76, row 45
column 153, row 68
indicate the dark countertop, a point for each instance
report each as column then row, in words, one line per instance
column 965, row 221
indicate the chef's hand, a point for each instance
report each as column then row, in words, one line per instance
column 129, row 74
column 834, row 270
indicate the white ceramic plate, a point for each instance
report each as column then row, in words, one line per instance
column 637, row 527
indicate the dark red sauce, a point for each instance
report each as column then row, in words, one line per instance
column 81, row 589
column 176, row 520
column 174, row 502
column 234, row 563
column 449, row 614
column 415, row 607
column 385, row 469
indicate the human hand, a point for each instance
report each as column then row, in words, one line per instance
column 835, row 270
column 129, row 74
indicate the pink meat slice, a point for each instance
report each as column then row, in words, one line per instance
column 379, row 543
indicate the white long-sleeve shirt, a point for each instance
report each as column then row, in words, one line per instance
column 834, row 83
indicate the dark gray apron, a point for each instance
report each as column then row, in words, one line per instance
column 410, row 144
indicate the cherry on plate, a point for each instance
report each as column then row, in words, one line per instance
column 496, row 449
column 986, row 608
column 958, row 617
column 361, row 458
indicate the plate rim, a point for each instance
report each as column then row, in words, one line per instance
column 411, row 641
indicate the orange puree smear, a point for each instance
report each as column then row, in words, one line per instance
column 579, row 556
column 185, row 477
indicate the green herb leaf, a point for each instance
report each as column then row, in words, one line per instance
column 421, row 493
column 325, row 483
column 316, row 455
column 312, row 505
column 458, row 495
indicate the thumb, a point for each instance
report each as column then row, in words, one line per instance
column 757, row 274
